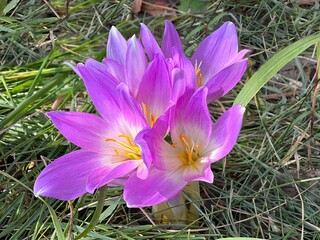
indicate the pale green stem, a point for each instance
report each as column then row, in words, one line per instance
column 95, row 219
column 176, row 210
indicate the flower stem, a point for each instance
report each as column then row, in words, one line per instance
column 179, row 209
column 95, row 219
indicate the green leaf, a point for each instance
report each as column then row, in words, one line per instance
column 11, row 5
column 53, row 215
column 110, row 209
column 271, row 67
column 3, row 4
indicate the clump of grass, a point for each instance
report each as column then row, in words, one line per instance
column 268, row 187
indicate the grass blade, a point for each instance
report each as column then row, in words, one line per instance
column 271, row 67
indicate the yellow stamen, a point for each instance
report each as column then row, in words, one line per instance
column 200, row 80
column 153, row 119
column 198, row 71
column 189, row 153
column 110, row 140
column 127, row 149
column 150, row 117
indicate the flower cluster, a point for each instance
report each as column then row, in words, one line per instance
column 154, row 134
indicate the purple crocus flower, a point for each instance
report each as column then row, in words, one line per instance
column 216, row 63
column 196, row 144
column 108, row 146
column 151, row 84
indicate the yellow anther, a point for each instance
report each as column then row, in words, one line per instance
column 197, row 72
column 110, row 140
column 116, row 151
column 184, row 140
column 153, row 119
column 125, row 147
column 200, row 80
column 197, row 148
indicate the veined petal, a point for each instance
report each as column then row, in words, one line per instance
column 157, row 150
column 183, row 63
column 201, row 171
column 149, row 42
column 225, row 132
column 102, row 90
column 116, row 46
column 85, row 130
column 177, row 119
column 90, row 62
column 135, row 64
column 66, row 177
column 98, row 179
column 156, row 87
column 216, row 50
column 197, row 120
column 159, row 187
column 131, row 120
column 115, row 69
column 225, row 80
column 170, row 39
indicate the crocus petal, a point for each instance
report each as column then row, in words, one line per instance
column 225, row 80
column 85, row 130
column 183, row 63
column 102, row 90
column 149, row 42
column 225, row 132
column 90, row 62
column 115, row 69
column 159, row 187
column 104, row 176
column 161, row 125
column 147, row 153
column 66, row 177
column 197, row 120
column 135, row 64
column 113, row 102
column 170, row 39
column 156, row 87
column 200, row 172
column 116, row 46
column 131, row 120
column 155, row 148
column 177, row 119
column 74, row 68
column 215, row 52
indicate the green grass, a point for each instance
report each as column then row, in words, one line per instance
column 268, row 187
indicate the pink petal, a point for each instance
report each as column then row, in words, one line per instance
column 66, row 177
column 116, row 46
column 177, row 119
column 159, row 187
column 104, row 176
column 131, row 120
column 85, row 130
column 197, row 120
column 200, row 172
column 225, row 133
column 115, row 69
column 158, row 151
column 183, row 63
column 216, row 51
column 135, row 64
column 170, row 39
column 102, row 90
column 114, row 102
column 149, row 42
column 225, row 80
column 156, row 87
